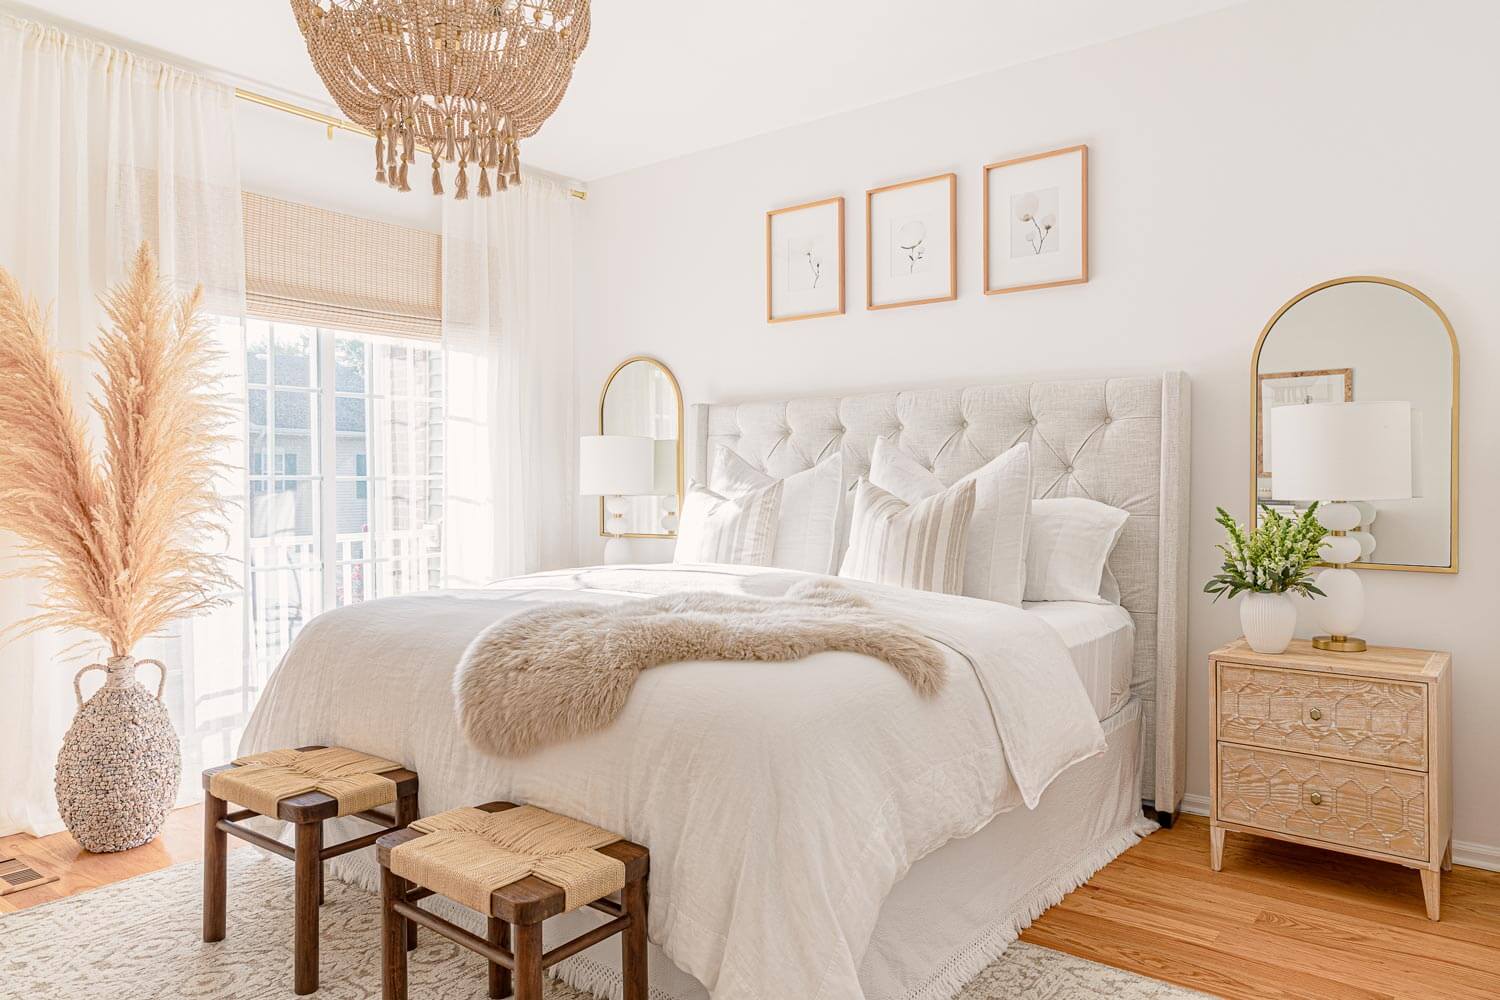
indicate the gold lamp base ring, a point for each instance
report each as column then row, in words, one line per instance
column 1339, row 643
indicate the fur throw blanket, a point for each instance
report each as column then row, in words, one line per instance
column 565, row 670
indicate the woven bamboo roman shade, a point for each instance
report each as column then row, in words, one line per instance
column 319, row 268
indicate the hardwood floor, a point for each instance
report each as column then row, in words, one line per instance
column 181, row 839
column 1280, row 921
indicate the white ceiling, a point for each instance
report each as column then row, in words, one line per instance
column 660, row 80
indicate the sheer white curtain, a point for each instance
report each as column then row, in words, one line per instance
column 511, row 435
column 104, row 150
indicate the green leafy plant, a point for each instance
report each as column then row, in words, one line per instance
column 1275, row 558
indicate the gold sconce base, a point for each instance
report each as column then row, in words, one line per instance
column 1339, row 643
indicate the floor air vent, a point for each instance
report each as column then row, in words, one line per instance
column 16, row 875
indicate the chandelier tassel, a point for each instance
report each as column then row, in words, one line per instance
column 437, row 177
column 408, row 153
column 461, row 192
column 450, row 148
column 403, row 185
column 380, row 156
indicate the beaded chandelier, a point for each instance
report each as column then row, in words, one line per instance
column 462, row 80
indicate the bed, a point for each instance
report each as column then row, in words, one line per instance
column 987, row 806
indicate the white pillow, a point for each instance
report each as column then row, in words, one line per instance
column 717, row 529
column 995, row 566
column 1071, row 539
column 808, row 522
column 919, row 546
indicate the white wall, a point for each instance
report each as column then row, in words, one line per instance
column 1236, row 159
column 293, row 159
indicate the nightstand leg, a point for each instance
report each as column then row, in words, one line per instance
column 1432, row 883
column 1448, row 858
column 1216, row 848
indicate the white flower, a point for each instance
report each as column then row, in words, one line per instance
column 1026, row 207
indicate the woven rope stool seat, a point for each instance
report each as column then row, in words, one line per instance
column 303, row 787
column 517, row 865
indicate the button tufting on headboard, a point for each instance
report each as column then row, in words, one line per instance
column 1122, row 441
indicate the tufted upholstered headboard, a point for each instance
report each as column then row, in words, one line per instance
column 1122, row 441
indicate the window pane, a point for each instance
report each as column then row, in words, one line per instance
column 258, row 460
column 351, row 358
column 296, row 355
column 281, row 601
column 257, row 350
column 296, row 419
column 283, row 520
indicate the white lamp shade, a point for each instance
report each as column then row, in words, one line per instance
column 616, row 465
column 1342, row 451
column 666, row 467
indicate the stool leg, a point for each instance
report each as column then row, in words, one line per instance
column 392, row 937
column 499, row 936
column 633, row 940
column 215, row 859
column 528, row 952
column 406, row 814
column 320, row 881
column 308, row 861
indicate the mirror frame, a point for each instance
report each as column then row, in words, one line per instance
column 676, row 391
column 1452, row 566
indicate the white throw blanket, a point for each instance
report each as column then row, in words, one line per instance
column 780, row 801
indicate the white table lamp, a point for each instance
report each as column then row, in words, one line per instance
column 1337, row 453
column 615, row 466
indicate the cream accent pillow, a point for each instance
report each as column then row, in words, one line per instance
column 995, row 564
column 808, row 523
column 718, row 529
column 919, row 546
column 1071, row 540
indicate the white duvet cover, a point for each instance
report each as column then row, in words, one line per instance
column 780, row 801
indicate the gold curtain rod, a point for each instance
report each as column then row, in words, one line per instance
column 329, row 121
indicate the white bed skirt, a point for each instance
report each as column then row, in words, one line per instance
column 957, row 909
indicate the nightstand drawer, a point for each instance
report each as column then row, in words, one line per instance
column 1355, row 718
column 1373, row 808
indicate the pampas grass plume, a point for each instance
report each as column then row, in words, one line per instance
column 118, row 539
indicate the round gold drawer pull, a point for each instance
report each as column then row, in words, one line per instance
column 1315, row 714
column 1315, row 798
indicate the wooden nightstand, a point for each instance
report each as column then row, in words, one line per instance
column 1347, row 751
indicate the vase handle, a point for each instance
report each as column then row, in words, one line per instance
column 78, row 691
column 161, row 684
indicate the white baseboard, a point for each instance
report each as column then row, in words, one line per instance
column 1465, row 852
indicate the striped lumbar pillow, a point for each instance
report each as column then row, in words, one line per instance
column 919, row 546
column 719, row 529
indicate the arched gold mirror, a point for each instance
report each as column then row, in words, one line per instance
column 1363, row 339
column 641, row 399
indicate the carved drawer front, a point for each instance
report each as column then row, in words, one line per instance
column 1375, row 808
column 1384, row 722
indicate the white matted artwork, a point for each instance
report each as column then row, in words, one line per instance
column 1036, row 223
column 911, row 245
column 805, row 261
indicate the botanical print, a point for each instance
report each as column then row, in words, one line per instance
column 804, row 263
column 1033, row 223
column 911, row 252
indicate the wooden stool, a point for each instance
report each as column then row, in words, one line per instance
column 304, row 787
column 518, row 865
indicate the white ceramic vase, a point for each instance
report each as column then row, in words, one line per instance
column 1269, row 621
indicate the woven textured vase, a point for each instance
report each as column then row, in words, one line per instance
column 119, row 765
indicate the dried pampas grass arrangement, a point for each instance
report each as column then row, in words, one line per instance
column 119, row 540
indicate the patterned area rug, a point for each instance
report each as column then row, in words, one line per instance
column 139, row 940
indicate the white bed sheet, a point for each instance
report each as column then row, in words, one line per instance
column 1101, row 640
